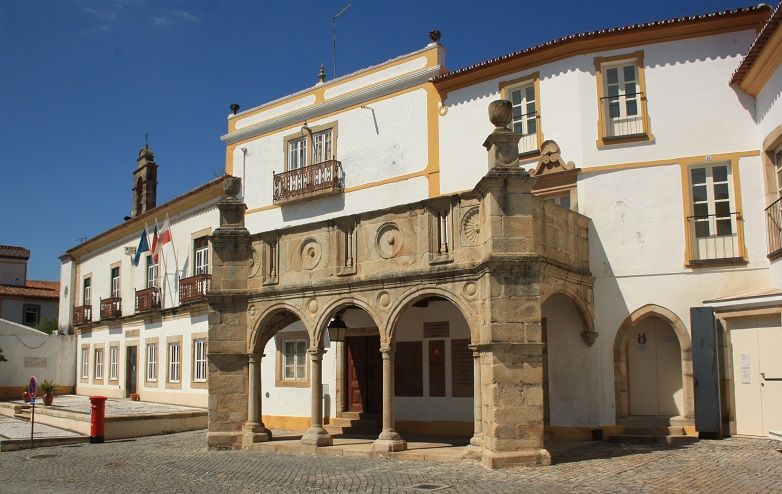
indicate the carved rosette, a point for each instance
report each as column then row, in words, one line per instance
column 310, row 253
column 471, row 227
column 389, row 241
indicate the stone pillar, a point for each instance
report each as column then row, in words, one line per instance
column 476, row 442
column 254, row 430
column 228, row 373
column 316, row 435
column 389, row 439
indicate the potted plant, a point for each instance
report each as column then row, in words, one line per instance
column 25, row 394
column 48, row 388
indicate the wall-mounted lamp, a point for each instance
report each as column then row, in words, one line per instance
column 306, row 128
column 337, row 328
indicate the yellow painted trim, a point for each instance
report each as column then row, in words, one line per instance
column 672, row 161
column 506, row 86
column 687, row 203
column 432, row 58
column 764, row 66
column 602, row 140
column 433, row 140
column 286, row 423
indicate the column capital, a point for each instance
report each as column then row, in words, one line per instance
column 316, row 353
column 255, row 358
column 387, row 352
column 476, row 351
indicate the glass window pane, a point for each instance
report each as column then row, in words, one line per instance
column 630, row 89
column 532, row 126
column 516, row 97
column 612, row 76
column 724, row 228
column 720, row 173
column 702, row 229
column 530, row 108
column 701, row 210
column 722, row 208
column 289, row 372
column 613, row 91
column 721, row 191
column 517, row 128
column 516, row 111
column 632, row 108
column 698, row 175
column 530, row 93
column 613, row 109
column 629, row 73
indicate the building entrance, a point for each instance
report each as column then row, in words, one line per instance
column 364, row 376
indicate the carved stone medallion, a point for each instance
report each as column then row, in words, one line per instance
column 383, row 299
column 312, row 305
column 311, row 253
column 255, row 263
column 389, row 241
column 470, row 289
column 471, row 228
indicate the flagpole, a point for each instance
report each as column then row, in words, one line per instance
column 176, row 259
column 165, row 266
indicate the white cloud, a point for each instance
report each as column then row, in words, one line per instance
column 174, row 16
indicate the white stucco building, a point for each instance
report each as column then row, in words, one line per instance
column 24, row 301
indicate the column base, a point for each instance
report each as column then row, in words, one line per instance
column 317, row 436
column 254, row 432
column 389, row 441
column 223, row 440
column 531, row 458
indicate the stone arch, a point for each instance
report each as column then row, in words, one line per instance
column 335, row 306
column 621, row 383
column 411, row 296
column 586, row 311
column 271, row 320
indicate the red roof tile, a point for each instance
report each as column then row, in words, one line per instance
column 33, row 289
column 14, row 251
column 757, row 46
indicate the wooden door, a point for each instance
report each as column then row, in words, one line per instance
column 364, row 374
column 655, row 372
column 356, row 362
column 130, row 370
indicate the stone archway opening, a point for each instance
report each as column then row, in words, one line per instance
column 653, row 368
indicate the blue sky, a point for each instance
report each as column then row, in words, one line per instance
column 83, row 80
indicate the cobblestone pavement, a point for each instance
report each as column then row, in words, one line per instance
column 180, row 463
column 81, row 404
column 11, row 428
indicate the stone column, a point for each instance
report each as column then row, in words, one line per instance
column 476, row 442
column 389, row 439
column 316, row 435
column 254, row 430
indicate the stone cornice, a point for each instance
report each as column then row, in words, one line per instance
column 412, row 79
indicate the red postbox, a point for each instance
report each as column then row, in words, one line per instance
column 97, row 416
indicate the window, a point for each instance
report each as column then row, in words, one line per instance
column 297, row 153
column 115, row 282
column 151, row 272
column 32, row 314
column 85, row 363
column 310, row 146
column 199, row 359
column 98, row 363
column 524, row 96
column 151, row 362
column 87, row 291
column 294, row 359
column 114, row 363
column 201, row 247
column 622, row 99
column 561, row 200
column 321, row 147
column 174, row 363
column 713, row 223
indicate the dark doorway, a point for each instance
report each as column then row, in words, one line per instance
column 364, row 374
column 130, row 371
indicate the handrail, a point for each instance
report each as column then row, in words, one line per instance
column 774, row 226
column 307, row 181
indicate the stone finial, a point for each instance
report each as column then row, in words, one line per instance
column 322, row 74
column 234, row 108
column 502, row 143
column 232, row 186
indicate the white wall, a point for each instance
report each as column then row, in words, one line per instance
column 68, row 289
column 31, row 352
column 13, row 272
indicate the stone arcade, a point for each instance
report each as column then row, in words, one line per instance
column 495, row 253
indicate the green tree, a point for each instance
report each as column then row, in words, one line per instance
column 48, row 326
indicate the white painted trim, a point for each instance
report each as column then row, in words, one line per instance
column 748, row 302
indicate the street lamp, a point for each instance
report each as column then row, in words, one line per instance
column 337, row 329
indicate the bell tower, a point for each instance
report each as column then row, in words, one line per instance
column 144, row 183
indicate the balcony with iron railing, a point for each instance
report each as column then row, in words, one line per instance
column 715, row 238
column 303, row 183
column 774, row 229
column 82, row 314
column 624, row 116
column 147, row 299
column 110, row 307
column 194, row 288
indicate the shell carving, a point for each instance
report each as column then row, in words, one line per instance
column 255, row 263
column 471, row 227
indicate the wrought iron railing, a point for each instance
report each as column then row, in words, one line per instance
column 110, row 307
column 301, row 183
column 624, row 115
column 82, row 314
column 714, row 236
column 194, row 288
column 147, row 299
column 774, row 227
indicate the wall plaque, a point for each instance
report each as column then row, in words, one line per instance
column 437, row 368
column 438, row 329
column 408, row 369
column 131, row 333
column 461, row 369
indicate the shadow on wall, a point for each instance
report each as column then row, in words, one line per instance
column 306, row 210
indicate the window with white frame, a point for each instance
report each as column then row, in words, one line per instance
column 174, row 363
column 151, row 362
column 525, row 116
column 294, row 353
column 622, row 99
column 713, row 222
column 201, row 248
column 151, row 272
column 85, row 363
column 321, row 146
column 297, row 153
column 86, row 293
column 199, row 360
column 114, row 363
column 32, row 314
column 99, row 363
column 115, row 282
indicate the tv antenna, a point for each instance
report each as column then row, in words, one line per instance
column 334, row 35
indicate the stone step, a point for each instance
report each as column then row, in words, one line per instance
column 358, row 415
column 357, row 431
column 670, row 440
column 653, row 431
column 346, row 422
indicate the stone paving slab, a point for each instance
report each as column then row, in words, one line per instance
column 114, row 407
column 15, row 434
column 180, row 463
